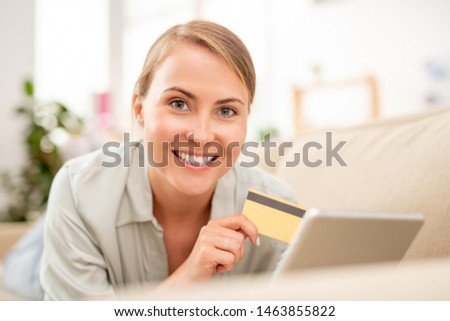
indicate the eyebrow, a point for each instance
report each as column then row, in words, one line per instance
column 184, row 92
column 229, row 100
column 193, row 97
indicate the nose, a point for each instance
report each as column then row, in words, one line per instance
column 202, row 130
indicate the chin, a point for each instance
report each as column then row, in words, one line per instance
column 194, row 187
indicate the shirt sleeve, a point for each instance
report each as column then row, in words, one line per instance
column 73, row 266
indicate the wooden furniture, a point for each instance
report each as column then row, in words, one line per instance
column 10, row 233
column 351, row 88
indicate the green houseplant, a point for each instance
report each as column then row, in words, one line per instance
column 28, row 191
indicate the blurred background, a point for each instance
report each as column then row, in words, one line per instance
column 319, row 62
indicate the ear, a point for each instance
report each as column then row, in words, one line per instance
column 138, row 109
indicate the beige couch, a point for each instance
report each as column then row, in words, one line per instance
column 400, row 164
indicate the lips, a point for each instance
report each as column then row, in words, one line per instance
column 194, row 160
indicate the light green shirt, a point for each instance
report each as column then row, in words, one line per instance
column 101, row 234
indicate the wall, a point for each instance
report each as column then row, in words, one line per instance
column 16, row 64
column 72, row 52
column 392, row 39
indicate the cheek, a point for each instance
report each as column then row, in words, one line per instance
column 238, row 132
column 161, row 127
column 233, row 138
column 159, row 132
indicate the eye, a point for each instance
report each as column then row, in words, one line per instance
column 179, row 105
column 226, row 112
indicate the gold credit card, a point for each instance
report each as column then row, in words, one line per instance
column 273, row 216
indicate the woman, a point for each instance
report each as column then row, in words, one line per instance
column 176, row 220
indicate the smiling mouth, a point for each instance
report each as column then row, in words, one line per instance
column 196, row 161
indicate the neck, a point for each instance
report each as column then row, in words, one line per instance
column 170, row 205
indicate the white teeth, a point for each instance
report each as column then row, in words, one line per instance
column 195, row 160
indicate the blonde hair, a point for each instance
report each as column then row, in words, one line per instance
column 216, row 38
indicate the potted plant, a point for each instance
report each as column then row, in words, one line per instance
column 27, row 193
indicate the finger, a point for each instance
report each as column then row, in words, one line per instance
column 238, row 222
column 238, row 235
column 210, row 230
column 223, row 260
column 243, row 236
column 231, row 245
column 208, row 253
column 225, row 239
column 230, row 240
column 221, row 268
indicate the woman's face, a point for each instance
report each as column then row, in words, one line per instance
column 194, row 118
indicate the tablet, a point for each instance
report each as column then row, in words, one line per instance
column 328, row 238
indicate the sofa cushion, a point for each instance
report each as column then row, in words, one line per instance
column 400, row 164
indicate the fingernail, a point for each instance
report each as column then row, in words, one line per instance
column 258, row 241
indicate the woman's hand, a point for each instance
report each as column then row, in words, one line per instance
column 219, row 246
